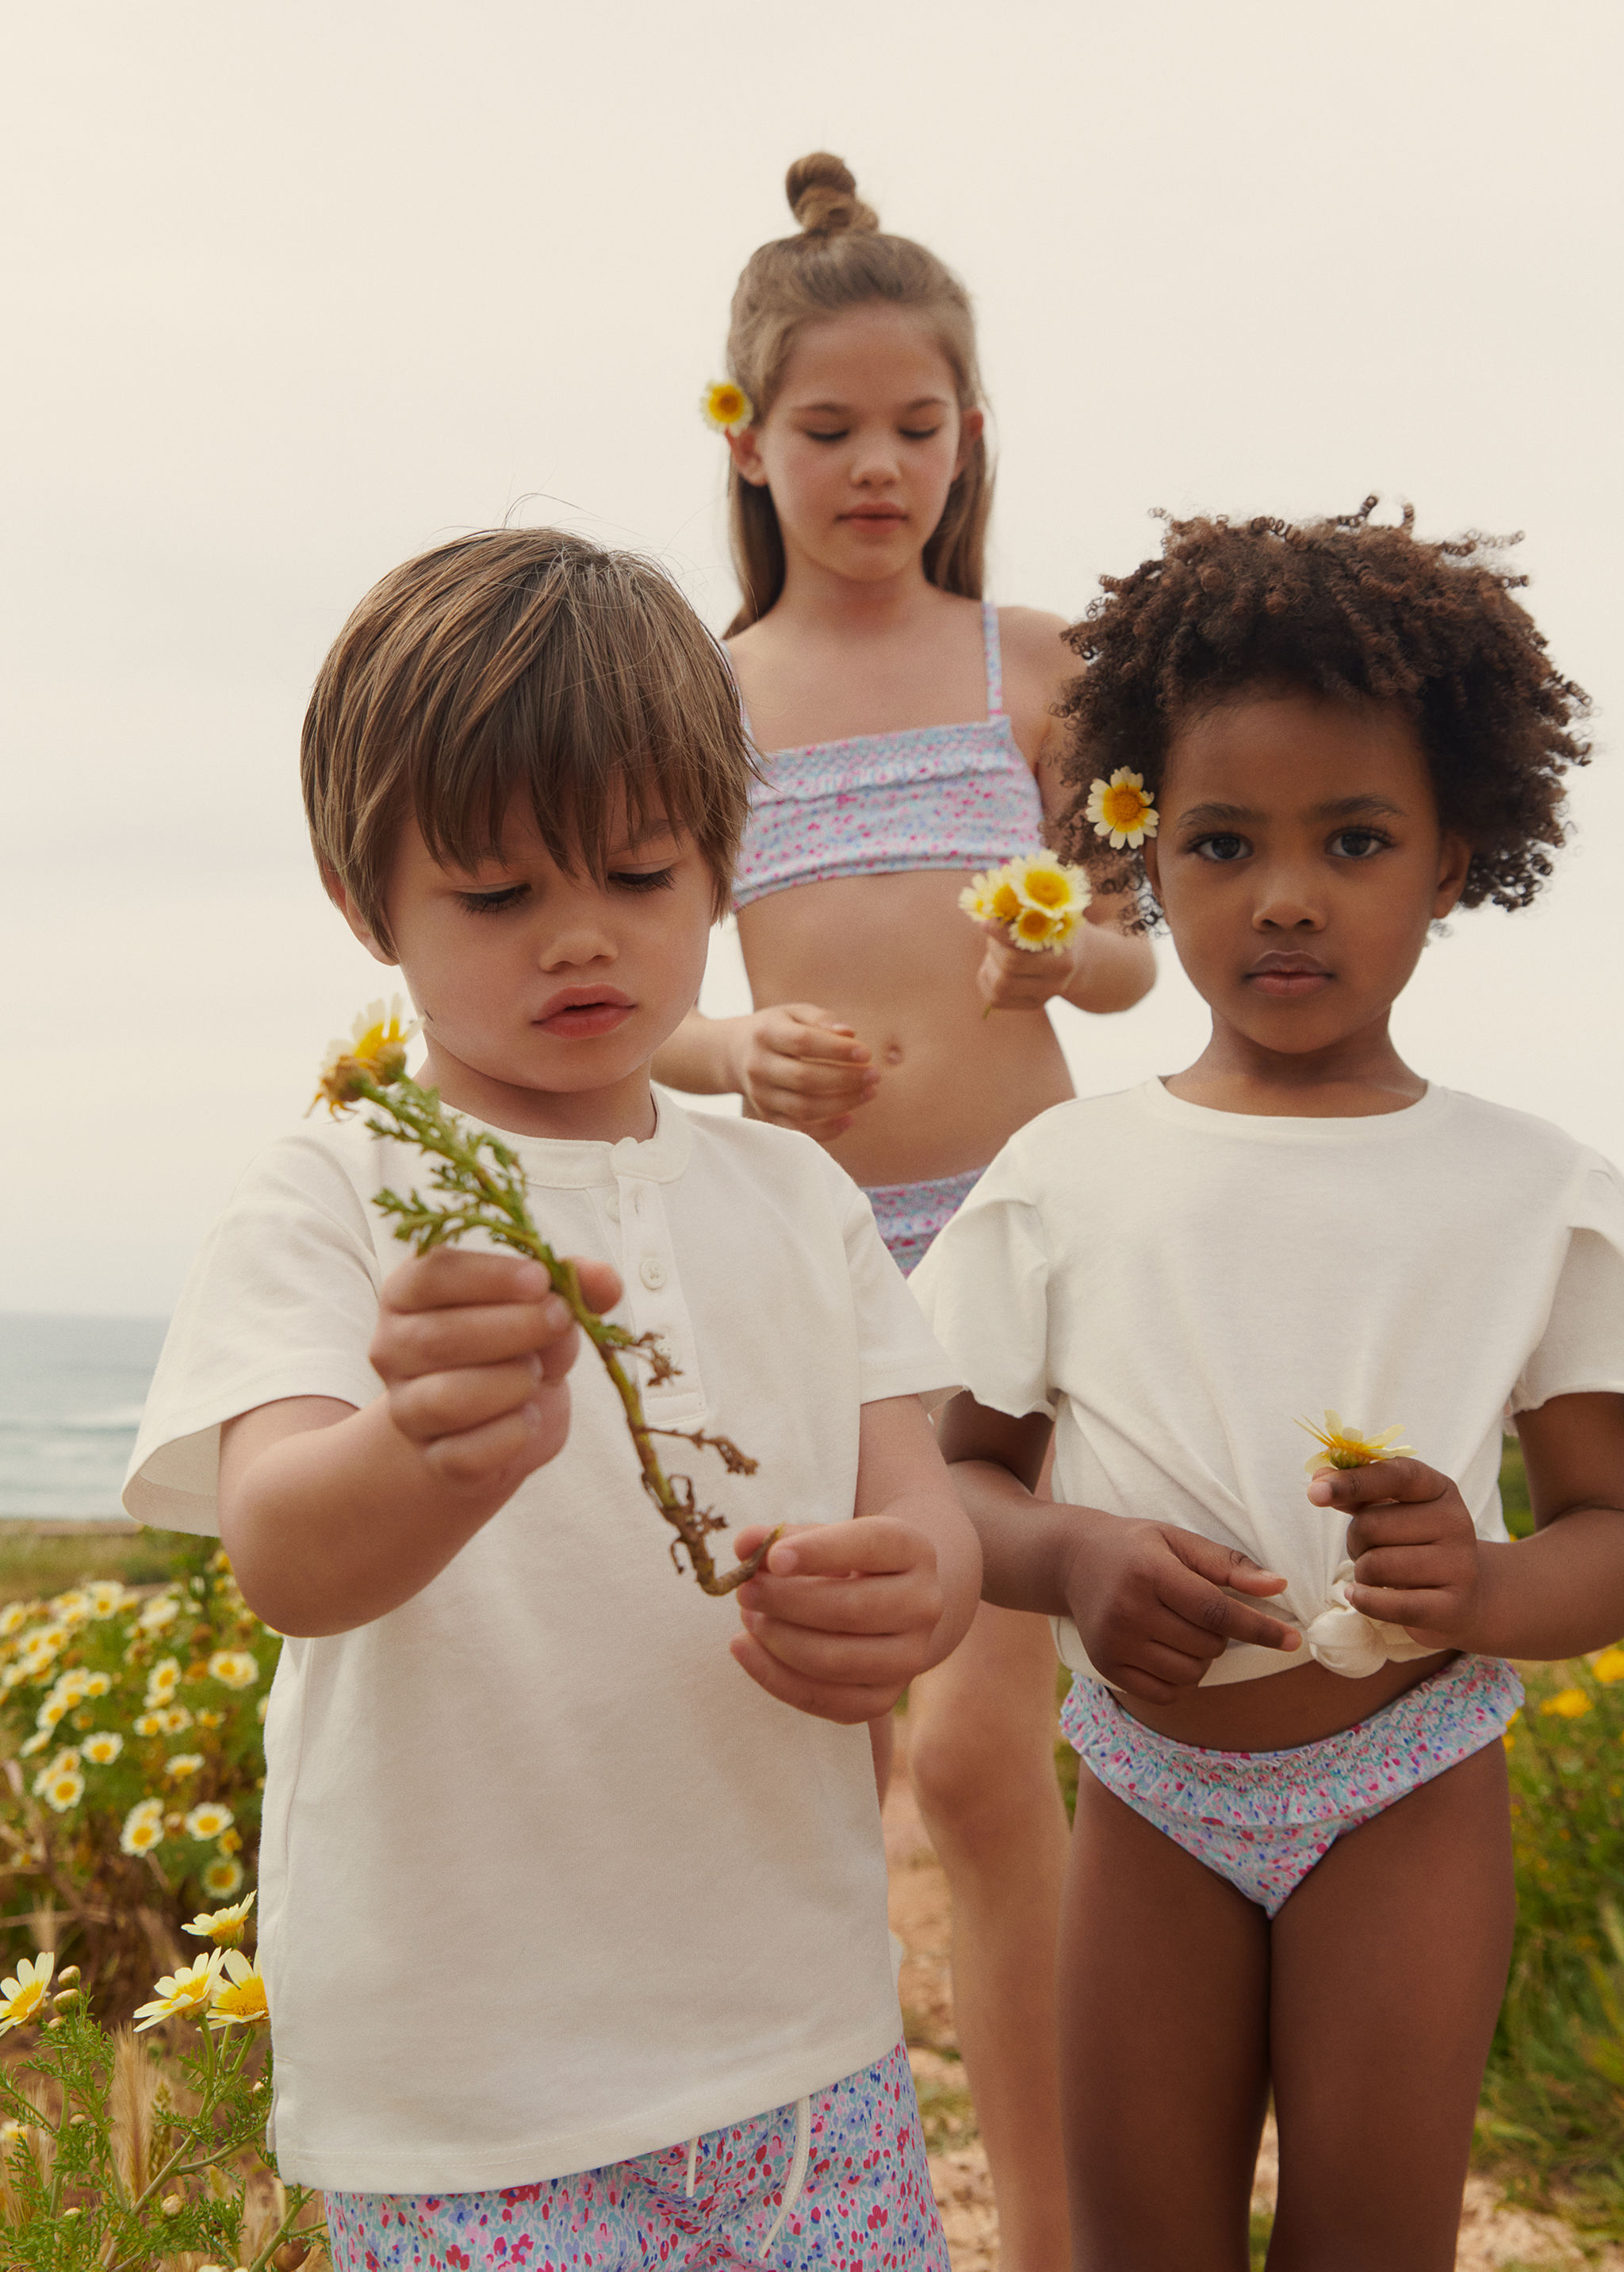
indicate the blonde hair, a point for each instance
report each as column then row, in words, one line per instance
column 520, row 662
column 842, row 259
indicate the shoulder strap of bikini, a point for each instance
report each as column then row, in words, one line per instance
column 995, row 659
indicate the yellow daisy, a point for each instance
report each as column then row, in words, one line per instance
column 182, row 1993
column 725, row 406
column 1609, row 1666
column 1044, row 882
column 222, row 1925
column 162, row 1681
column 97, row 1684
column 222, row 1876
column 103, row 1748
column 234, row 1668
column 106, row 1596
column 143, row 1827
column 1120, row 809
column 375, row 1053
column 14, row 1615
column 35, row 1743
column 240, row 1998
column 176, row 1720
column 1345, row 1446
column 64, row 1789
column 1037, row 931
column 24, row 1995
column 209, row 1821
column 148, row 1723
column 211, row 1719
column 73, row 1607
column 184, row 1764
column 161, row 1611
column 1566, row 1704
column 230, row 1841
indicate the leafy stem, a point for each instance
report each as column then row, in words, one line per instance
column 482, row 1187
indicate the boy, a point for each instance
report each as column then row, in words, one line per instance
column 553, row 1903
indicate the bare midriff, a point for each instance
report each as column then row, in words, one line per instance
column 895, row 958
column 1283, row 1709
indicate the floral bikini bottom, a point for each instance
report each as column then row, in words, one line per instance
column 1263, row 1818
column 911, row 1215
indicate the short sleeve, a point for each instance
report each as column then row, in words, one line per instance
column 984, row 1290
column 282, row 1301
column 1581, row 1350
column 897, row 1354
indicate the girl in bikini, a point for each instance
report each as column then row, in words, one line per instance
column 906, row 740
column 1291, row 1868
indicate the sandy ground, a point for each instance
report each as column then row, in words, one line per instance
column 1494, row 2235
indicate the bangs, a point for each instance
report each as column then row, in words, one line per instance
column 532, row 666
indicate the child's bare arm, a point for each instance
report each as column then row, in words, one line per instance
column 845, row 1614
column 333, row 1516
column 1147, row 1597
column 1419, row 1563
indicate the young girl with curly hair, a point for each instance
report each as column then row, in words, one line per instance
column 906, row 739
column 1292, row 1866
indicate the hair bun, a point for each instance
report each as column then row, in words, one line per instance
column 823, row 196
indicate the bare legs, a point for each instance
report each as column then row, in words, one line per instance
column 1370, row 2000
column 981, row 1736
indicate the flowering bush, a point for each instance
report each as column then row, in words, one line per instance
column 110, row 2157
column 135, row 1719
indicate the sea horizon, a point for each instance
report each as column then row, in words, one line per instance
column 72, row 1389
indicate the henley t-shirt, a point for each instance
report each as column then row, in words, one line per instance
column 546, row 1881
column 1176, row 1287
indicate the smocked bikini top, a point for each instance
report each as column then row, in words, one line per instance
column 876, row 804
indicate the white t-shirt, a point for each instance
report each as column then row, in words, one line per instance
column 546, row 1879
column 1176, row 1286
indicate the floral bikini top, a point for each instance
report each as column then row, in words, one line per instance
column 876, row 804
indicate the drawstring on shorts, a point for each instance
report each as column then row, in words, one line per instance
column 797, row 2173
column 793, row 2183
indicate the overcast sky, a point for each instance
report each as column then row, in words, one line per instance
column 293, row 292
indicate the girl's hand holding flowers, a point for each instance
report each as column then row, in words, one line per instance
column 1033, row 911
column 1416, row 1555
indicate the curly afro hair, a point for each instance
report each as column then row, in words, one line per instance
column 1343, row 608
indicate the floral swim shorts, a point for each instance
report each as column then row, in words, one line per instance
column 837, row 2182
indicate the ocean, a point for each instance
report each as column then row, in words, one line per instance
column 70, row 1395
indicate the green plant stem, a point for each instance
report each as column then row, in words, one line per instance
column 419, row 1119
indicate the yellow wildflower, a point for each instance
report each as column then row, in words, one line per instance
column 1345, row 1446
column 234, row 1668
column 181, row 1993
column 73, row 1607
column 211, row 1719
column 1609, row 1666
column 220, row 1925
column 50, row 1712
column 24, row 1995
column 106, row 1596
column 162, row 1681
column 375, row 1052
column 64, row 1789
column 97, row 1684
column 176, row 1720
column 103, row 1748
column 208, row 1820
column 1566, row 1704
column 230, row 1841
column 1120, row 809
column 13, row 1615
column 184, row 1764
column 726, row 407
column 1511, row 1724
column 35, row 1743
column 241, row 1998
column 223, row 1876
column 149, row 1724
column 143, row 1827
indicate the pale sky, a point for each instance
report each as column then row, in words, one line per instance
column 294, row 292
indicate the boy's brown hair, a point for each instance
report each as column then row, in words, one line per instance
column 520, row 663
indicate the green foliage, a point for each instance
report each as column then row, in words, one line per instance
column 1554, row 2099
column 47, row 1557
column 134, row 1722
column 111, row 2157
